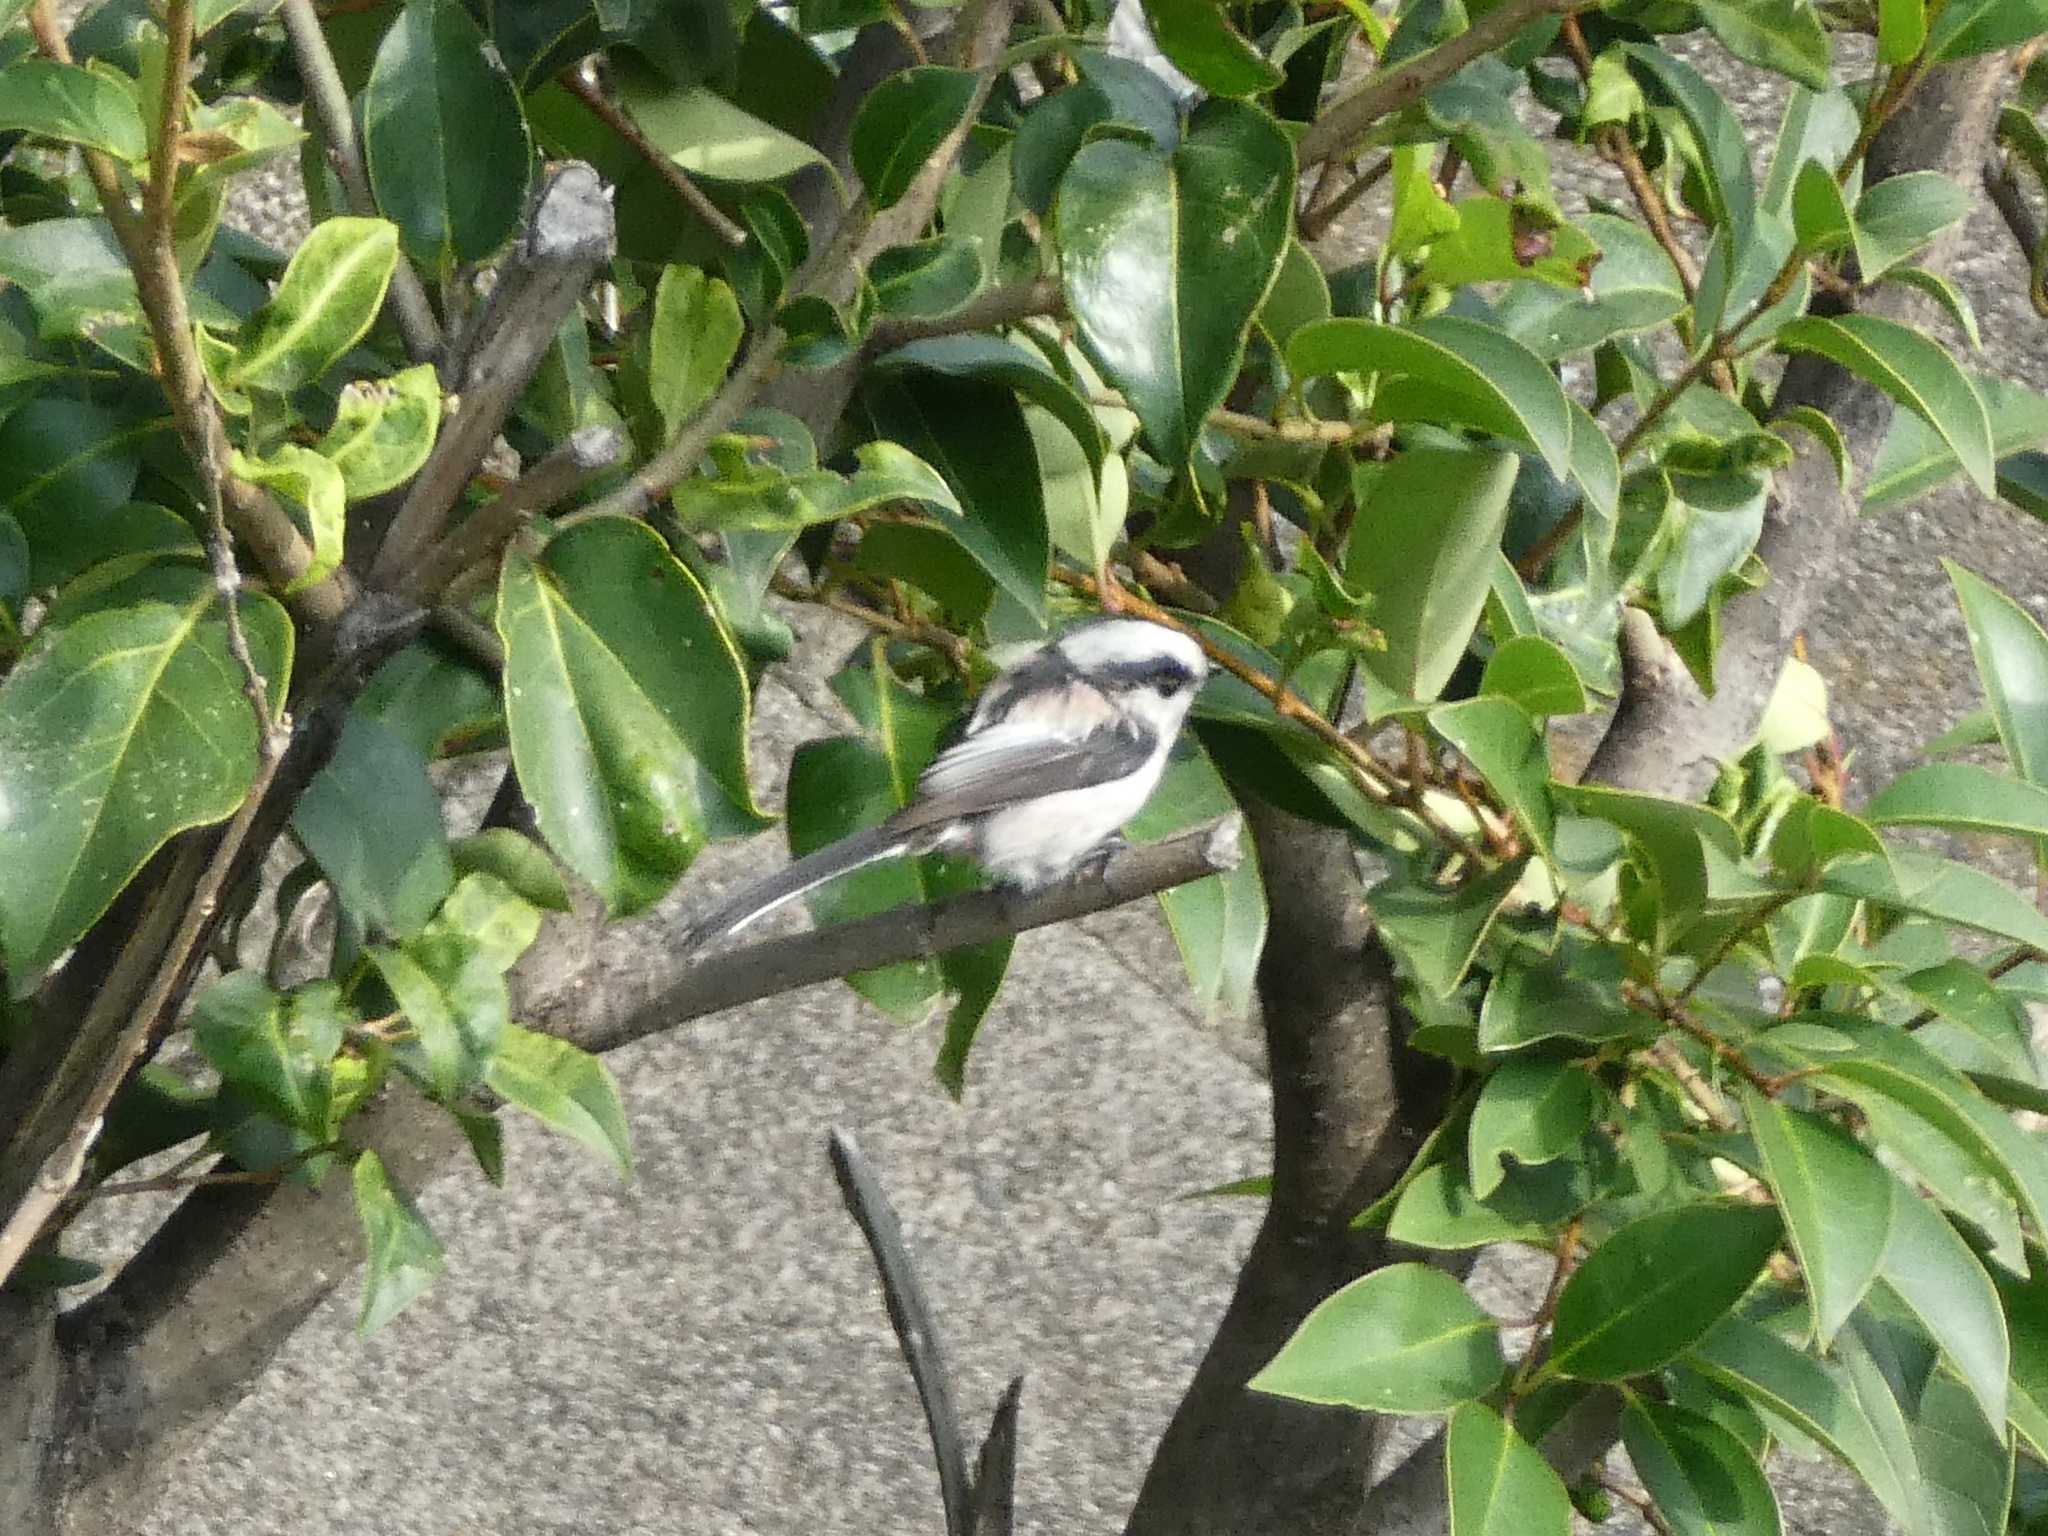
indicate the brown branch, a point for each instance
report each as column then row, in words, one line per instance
column 993, row 309
column 161, row 200
column 1316, row 220
column 577, row 82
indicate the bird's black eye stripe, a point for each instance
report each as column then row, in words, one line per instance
column 1161, row 672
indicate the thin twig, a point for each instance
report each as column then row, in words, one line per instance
column 576, row 80
column 161, row 200
column 954, row 648
column 993, row 310
column 1316, row 222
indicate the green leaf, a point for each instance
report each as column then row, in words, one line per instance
column 453, row 995
column 1836, row 1200
column 1901, row 30
column 1634, row 288
column 123, row 725
column 67, row 469
column 1916, row 372
column 1704, row 1480
column 1820, row 214
column 329, row 295
column 992, row 360
column 1651, row 1290
column 769, row 501
column 274, row 1051
column 1438, row 929
column 74, row 105
column 1934, row 1272
column 1966, row 1464
column 403, row 1256
column 1497, row 1483
column 1423, row 543
column 1446, row 369
column 696, row 331
column 1781, row 35
column 1910, row 881
column 1901, row 214
column 927, row 280
column 1529, row 1002
column 516, row 860
column 1084, row 514
column 435, row 699
column 1532, row 672
column 709, row 136
column 2023, row 482
column 1300, row 295
column 1163, row 295
column 1674, row 838
column 1965, row 28
column 383, row 431
column 1200, row 41
column 1913, row 458
column 1500, row 740
column 1404, row 1339
column 2011, row 653
column 1962, row 796
column 1218, row 923
column 314, row 487
column 487, row 913
column 1811, row 1397
column 903, row 122
column 1439, row 1210
column 1727, row 180
column 1495, row 240
column 444, row 137
column 565, row 1088
column 372, row 822
column 2025, row 1302
column 1533, row 1109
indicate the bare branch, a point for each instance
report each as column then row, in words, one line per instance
column 578, row 83
column 327, row 98
column 992, row 310
column 910, row 1314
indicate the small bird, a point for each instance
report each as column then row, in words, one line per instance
column 1062, row 749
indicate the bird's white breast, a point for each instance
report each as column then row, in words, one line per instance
column 1041, row 842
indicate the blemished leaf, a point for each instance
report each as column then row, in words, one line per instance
column 1423, row 543
column 1634, row 288
column 1901, row 214
column 1535, row 674
column 404, row 1257
column 329, row 295
column 517, row 860
column 1781, row 35
column 708, row 135
column 271, row 1049
column 73, row 105
column 383, row 430
column 565, row 1088
column 124, row 724
column 1934, row 1272
column 1422, row 214
column 2011, row 653
column 1810, row 1396
column 1492, row 244
column 1497, row 1483
column 1652, row 1289
column 1218, row 923
column 1404, row 1339
column 1725, row 173
column 1503, row 742
column 696, row 331
column 901, row 125
column 1916, row 372
column 1199, row 39
column 1533, row 1109
column 452, row 993
column 1913, row 458
column 1837, row 1203
column 1962, row 796
column 372, row 822
column 1163, row 297
column 1438, row 929
column 926, row 280
column 1705, row 1481
column 311, row 485
column 445, row 140
column 1446, row 368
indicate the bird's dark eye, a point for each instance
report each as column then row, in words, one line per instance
column 1169, row 677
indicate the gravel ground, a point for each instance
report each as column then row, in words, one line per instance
column 704, row 1350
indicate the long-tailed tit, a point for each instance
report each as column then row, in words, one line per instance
column 1062, row 749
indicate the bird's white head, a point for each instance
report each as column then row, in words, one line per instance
column 1150, row 670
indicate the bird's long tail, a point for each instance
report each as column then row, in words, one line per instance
column 800, row 879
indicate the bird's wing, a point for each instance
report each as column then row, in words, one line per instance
column 1002, row 765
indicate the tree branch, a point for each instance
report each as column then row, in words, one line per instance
column 991, row 310
column 577, row 82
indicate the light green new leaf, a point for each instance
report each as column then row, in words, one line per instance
column 696, row 331
column 1162, row 286
column 491, row 915
column 446, row 143
column 1404, row 1339
column 383, row 430
column 901, row 125
column 73, row 105
column 372, row 821
column 1533, row 1109
column 709, row 136
column 313, row 487
column 453, row 995
column 1446, row 369
column 1916, row 372
column 1901, row 30
column 1198, row 38
column 329, row 295
column 1218, row 923
column 1497, row 1483
column 272, row 1050
column 1837, row 1203
column 565, row 1088
column 1652, row 1289
column 1422, row 214
column 123, row 725
column 404, row 1258
column 1934, row 1272
column 1705, row 1481
column 773, row 502
column 1439, row 1210
column 1535, row 674
column 2012, row 663
column 1499, row 738
column 1963, row 796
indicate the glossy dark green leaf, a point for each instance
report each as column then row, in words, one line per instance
column 446, row 141
column 927, row 280
column 1964, row 796
column 1446, row 369
column 73, row 105
column 383, row 430
column 1497, row 1483
column 1837, row 1203
column 684, row 40
column 1198, row 37
column 1705, row 1481
column 1930, row 1267
column 123, row 725
column 1503, row 743
column 1649, row 1292
column 271, row 1049
column 1970, row 27
column 1438, row 929
column 992, row 360
column 565, row 1088
column 2011, row 652
column 327, row 299
column 435, row 699
column 67, row 469
column 404, row 1258
column 1163, row 293
column 1404, row 1339
column 1781, row 35
column 696, row 330
column 372, row 822
column 901, row 125
column 1219, row 923
column 1533, row 1109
